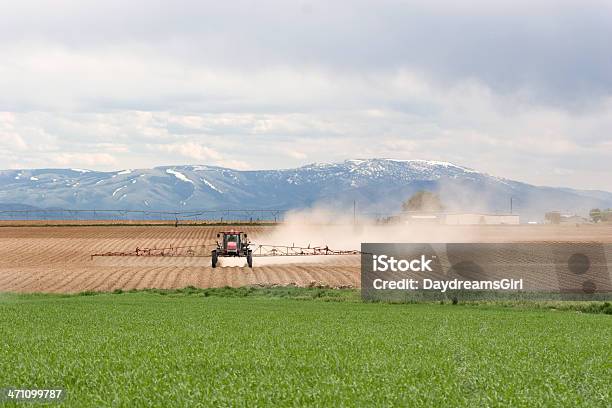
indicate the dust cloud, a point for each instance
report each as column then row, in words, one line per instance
column 229, row 262
column 320, row 227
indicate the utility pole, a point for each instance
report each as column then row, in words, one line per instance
column 511, row 204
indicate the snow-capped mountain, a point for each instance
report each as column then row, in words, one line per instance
column 378, row 185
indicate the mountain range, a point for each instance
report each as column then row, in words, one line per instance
column 376, row 185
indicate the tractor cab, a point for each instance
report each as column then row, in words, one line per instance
column 231, row 242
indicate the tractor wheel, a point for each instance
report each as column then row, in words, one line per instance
column 250, row 259
column 215, row 258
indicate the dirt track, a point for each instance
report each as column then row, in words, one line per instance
column 57, row 259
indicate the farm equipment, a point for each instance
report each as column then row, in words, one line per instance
column 232, row 244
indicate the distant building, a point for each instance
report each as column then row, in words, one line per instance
column 459, row 218
column 573, row 219
column 422, row 218
column 482, row 219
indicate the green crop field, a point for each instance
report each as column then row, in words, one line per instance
column 188, row 349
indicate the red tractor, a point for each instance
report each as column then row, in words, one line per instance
column 232, row 243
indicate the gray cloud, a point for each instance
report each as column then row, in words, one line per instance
column 518, row 89
column 557, row 49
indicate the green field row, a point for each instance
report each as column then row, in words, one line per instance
column 281, row 348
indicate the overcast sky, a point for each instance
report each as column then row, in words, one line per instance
column 521, row 90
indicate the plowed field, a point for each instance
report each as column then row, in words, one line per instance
column 57, row 259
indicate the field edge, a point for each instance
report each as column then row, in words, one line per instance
column 324, row 294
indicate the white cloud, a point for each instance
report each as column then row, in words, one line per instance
column 296, row 154
column 234, row 164
column 189, row 150
column 511, row 88
column 93, row 160
column 12, row 141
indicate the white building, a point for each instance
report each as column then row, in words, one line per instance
column 481, row 219
column 460, row 218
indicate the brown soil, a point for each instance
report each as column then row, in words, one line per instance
column 57, row 259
